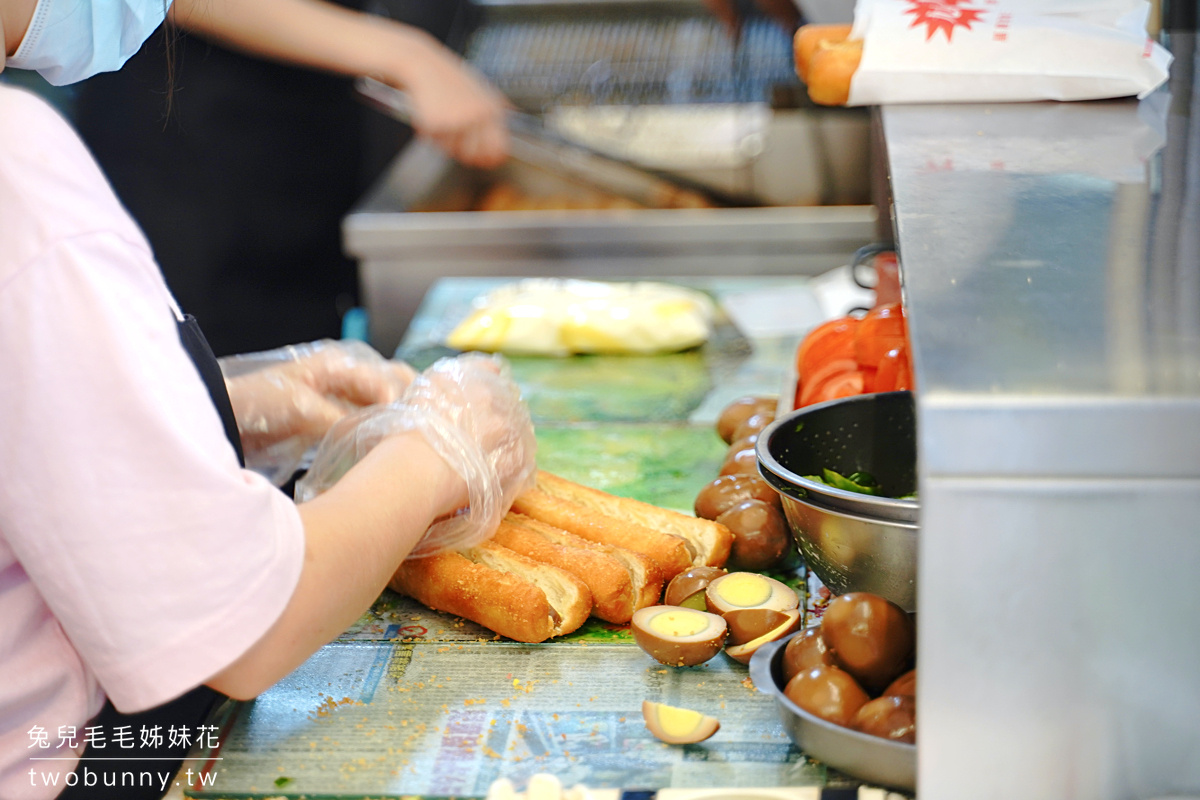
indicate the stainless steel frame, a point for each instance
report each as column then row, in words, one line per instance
column 1058, row 388
column 401, row 253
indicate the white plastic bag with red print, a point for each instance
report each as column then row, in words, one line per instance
column 933, row 51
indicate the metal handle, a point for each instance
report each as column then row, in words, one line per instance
column 862, row 257
column 533, row 144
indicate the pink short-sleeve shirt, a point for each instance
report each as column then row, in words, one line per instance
column 137, row 559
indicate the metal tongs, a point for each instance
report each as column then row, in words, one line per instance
column 534, row 144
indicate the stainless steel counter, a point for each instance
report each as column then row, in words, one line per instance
column 402, row 253
column 1052, row 274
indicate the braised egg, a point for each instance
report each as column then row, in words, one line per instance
column 749, row 590
column 805, row 651
column 890, row 717
column 687, row 588
column 739, row 411
column 751, row 628
column 827, row 692
column 678, row 636
column 870, row 637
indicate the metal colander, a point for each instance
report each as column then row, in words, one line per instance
column 853, row 542
column 872, row 433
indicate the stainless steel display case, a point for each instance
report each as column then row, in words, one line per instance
column 1052, row 278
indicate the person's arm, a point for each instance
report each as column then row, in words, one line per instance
column 453, row 105
column 454, row 451
column 355, row 535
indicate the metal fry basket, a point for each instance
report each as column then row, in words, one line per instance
column 663, row 84
column 635, row 58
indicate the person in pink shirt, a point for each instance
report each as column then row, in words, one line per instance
column 139, row 560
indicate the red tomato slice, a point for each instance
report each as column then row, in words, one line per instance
column 895, row 371
column 842, row 384
column 874, row 350
column 904, row 378
column 828, row 341
column 869, row 379
column 887, row 378
column 881, row 330
column 811, row 381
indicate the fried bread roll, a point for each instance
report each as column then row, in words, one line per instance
column 707, row 542
column 831, row 69
column 668, row 553
column 809, row 38
column 644, row 528
column 503, row 591
column 621, row 581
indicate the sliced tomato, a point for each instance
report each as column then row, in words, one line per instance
column 873, row 350
column 828, row 341
column 811, row 381
column 869, row 379
column 881, row 330
column 888, row 374
column 904, row 379
column 842, row 384
column 895, row 371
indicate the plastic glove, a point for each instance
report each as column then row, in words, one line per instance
column 285, row 400
column 472, row 414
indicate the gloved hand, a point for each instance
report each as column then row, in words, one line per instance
column 471, row 413
column 285, row 400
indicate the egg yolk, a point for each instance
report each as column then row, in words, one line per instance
column 678, row 622
column 744, row 589
column 678, row 722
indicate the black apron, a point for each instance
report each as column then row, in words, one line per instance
column 192, row 709
column 242, row 183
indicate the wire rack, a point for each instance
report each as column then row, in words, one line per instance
column 665, row 61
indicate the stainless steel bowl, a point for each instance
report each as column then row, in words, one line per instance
column 875, row 433
column 869, row 758
column 852, row 541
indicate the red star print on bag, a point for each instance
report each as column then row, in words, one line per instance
column 942, row 15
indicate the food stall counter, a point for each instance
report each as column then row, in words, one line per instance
column 1051, row 279
column 412, row 702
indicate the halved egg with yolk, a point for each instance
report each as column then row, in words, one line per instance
column 678, row 636
column 741, row 590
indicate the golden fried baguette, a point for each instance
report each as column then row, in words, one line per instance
column 669, row 553
column 621, row 581
column 831, row 69
column 707, row 542
column 504, row 591
column 809, row 37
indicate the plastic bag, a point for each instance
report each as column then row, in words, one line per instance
column 934, row 51
column 559, row 317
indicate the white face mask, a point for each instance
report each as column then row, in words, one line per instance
column 70, row 40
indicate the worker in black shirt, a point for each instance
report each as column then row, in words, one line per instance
column 240, row 168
